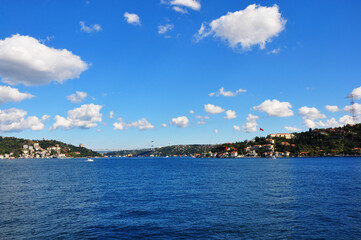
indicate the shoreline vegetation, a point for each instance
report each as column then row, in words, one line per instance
column 336, row 142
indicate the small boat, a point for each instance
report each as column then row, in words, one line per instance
column 90, row 160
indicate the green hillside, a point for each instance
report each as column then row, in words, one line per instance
column 18, row 147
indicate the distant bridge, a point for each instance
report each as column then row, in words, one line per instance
column 116, row 150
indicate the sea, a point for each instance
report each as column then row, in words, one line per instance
column 181, row 198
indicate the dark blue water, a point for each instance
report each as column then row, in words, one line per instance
column 181, row 198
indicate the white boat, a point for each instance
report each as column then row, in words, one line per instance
column 90, row 160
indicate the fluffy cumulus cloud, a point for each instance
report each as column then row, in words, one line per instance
column 164, row 125
column 86, row 116
column 251, row 123
column 230, row 114
column 224, row 93
column 332, row 108
column 216, row 131
column 292, row 129
column 141, row 124
column 15, row 120
column 132, row 18
column 356, row 93
column 236, row 128
column 77, row 97
column 347, row 119
column 90, row 28
column 275, row 108
column 309, row 123
column 9, row 94
column 212, row 109
column 180, row 122
column 255, row 25
column 162, row 29
column 25, row 60
column 191, row 112
column 344, row 120
column 356, row 107
column 180, row 5
column 310, row 113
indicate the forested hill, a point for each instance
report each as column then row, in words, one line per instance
column 341, row 141
column 344, row 141
column 18, row 147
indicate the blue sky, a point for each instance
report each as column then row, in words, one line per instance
column 151, row 62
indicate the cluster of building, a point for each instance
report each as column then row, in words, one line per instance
column 268, row 149
column 35, row 151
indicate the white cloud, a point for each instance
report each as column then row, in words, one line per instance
column 275, row 108
column 251, row 123
column 192, row 4
column 230, row 114
column 216, row 131
column 212, row 109
column 24, row 59
column 111, row 114
column 356, row 93
column 191, row 112
column 77, row 97
column 330, row 123
column 165, row 28
column 164, row 125
column 179, row 9
column 132, row 18
column 236, row 128
column 86, row 116
column 355, row 107
column 9, row 94
column 255, row 25
column 45, row 117
column 180, row 122
column 310, row 123
column 141, row 124
column 292, row 129
column 227, row 93
column 90, row 28
column 13, row 120
column 274, row 51
column 201, row 117
column 347, row 119
column 310, row 113
column 121, row 125
column 332, row 108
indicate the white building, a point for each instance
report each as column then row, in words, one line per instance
column 282, row 135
